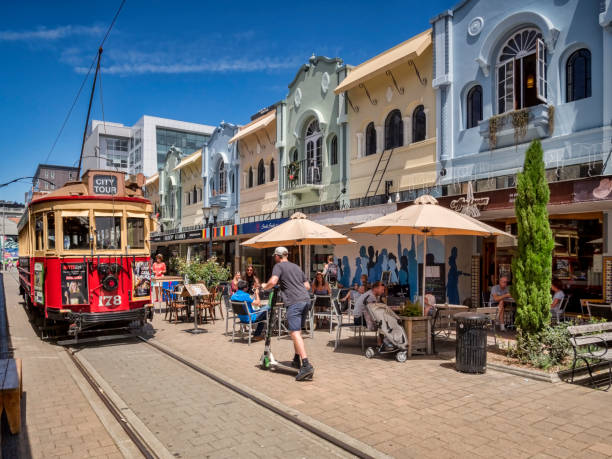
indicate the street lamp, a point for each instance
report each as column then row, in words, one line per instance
column 210, row 215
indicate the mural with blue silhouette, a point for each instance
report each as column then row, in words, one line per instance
column 452, row 283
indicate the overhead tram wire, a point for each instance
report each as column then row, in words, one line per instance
column 78, row 94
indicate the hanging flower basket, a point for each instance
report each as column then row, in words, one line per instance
column 293, row 171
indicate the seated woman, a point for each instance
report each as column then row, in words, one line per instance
column 234, row 283
column 242, row 295
column 252, row 280
column 430, row 304
column 320, row 285
column 558, row 296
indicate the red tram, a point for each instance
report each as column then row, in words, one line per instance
column 84, row 255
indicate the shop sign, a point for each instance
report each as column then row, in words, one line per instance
column 104, row 184
column 156, row 238
column 193, row 234
column 260, row 227
column 593, row 190
column 179, row 236
column 469, row 205
column 168, row 237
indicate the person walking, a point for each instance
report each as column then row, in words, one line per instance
column 294, row 287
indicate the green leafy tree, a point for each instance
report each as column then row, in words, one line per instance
column 210, row 273
column 532, row 267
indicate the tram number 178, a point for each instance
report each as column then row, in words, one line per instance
column 110, row 300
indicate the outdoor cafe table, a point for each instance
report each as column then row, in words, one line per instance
column 195, row 292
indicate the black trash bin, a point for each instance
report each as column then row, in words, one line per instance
column 471, row 348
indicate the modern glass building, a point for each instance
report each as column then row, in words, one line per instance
column 187, row 142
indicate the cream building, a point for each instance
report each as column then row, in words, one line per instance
column 391, row 119
column 258, row 167
column 190, row 169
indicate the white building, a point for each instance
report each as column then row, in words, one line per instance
column 141, row 147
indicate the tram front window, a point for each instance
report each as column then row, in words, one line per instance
column 108, row 233
column 135, row 233
column 76, row 233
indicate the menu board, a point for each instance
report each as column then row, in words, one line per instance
column 435, row 282
column 141, row 279
column 194, row 290
column 607, row 268
column 74, row 283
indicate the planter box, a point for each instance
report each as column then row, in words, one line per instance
column 537, row 128
column 418, row 330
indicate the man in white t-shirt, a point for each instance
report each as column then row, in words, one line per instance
column 500, row 294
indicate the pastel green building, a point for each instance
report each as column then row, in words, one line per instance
column 311, row 138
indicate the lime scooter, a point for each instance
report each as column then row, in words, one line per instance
column 268, row 362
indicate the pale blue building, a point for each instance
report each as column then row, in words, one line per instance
column 508, row 72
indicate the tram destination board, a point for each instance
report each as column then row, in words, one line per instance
column 105, row 184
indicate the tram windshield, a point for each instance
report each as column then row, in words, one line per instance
column 76, row 233
column 108, row 233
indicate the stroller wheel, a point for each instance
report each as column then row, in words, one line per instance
column 401, row 356
column 369, row 353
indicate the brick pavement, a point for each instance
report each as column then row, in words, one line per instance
column 57, row 420
column 192, row 415
column 420, row 408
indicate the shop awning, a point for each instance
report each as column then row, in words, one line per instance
column 254, row 126
column 191, row 159
column 154, row 178
column 409, row 49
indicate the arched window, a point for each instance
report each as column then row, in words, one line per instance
column 272, row 171
column 333, row 151
column 578, row 75
column 294, row 155
column 194, row 195
column 370, row 140
column 521, row 71
column 313, row 143
column 394, row 130
column 250, row 178
column 261, row 173
column 474, row 106
column 419, row 124
column 222, row 178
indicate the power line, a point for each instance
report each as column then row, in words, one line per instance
column 76, row 98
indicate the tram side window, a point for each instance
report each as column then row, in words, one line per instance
column 108, row 233
column 50, row 230
column 38, row 231
column 135, row 233
column 76, row 233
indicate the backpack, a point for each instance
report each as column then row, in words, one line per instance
column 332, row 270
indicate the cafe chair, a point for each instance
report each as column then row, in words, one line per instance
column 330, row 309
column 178, row 306
column 214, row 300
column 361, row 329
column 241, row 308
column 229, row 312
column 491, row 312
column 558, row 316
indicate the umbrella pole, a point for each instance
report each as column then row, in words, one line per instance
column 424, row 270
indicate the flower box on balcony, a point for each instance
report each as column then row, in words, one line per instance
column 517, row 126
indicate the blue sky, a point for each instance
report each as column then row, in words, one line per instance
column 194, row 61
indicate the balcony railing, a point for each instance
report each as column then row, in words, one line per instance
column 306, row 174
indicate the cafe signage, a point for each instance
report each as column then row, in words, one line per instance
column 105, row 184
column 469, row 205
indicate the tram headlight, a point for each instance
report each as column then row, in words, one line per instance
column 110, row 283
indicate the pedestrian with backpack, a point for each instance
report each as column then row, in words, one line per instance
column 330, row 271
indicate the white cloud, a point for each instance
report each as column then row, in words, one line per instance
column 50, row 34
column 156, row 64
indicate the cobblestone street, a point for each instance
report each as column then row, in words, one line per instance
column 420, row 408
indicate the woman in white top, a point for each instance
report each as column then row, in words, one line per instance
column 558, row 296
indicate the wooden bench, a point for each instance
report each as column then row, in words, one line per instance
column 10, row 392
column 590, row 343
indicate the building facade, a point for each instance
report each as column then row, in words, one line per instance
column 311, row 138
column 508, row 73
column 141, row 148
column 49, row 177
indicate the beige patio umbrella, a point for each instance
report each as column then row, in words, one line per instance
column 427, row 218
column 298, row 230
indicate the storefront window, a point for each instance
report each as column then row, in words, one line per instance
column 50, row 230
column 76, row 233
column 135, row 233
column 108, row 233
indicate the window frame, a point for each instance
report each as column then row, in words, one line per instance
column 419, row 110
column 250, row 177
column 470, row 120
column 272, row 170
column 394, row 130
column 333, row 151
column 570, row 83
column 370, row 142
column 261, row 172
column 222, row 177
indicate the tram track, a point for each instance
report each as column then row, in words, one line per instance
column 151, row 447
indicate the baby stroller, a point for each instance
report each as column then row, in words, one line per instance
column 390, row 326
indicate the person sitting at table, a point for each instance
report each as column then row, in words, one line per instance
column 558, row 295
column 320, row 285
column 430, row 304
column 251, row 301
column 361, row 314
column 234, row 283
column 500, row 295
column 353, row 294
column 251, row 278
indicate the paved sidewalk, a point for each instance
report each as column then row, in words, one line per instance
column 420, row 408
column 194, row 416
column 57, row 420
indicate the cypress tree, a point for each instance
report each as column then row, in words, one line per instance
column 532, row 267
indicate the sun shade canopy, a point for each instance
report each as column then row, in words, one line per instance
column 425, row 216
column 254, row 126
column 298, row 230
column 191, row 159
column 409, row 49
